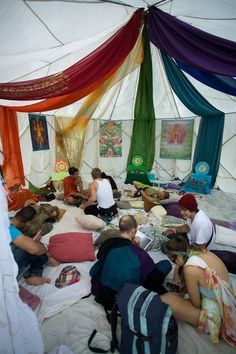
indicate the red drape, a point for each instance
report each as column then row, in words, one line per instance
column 12, row 165
column 62, row 101
column 82, row 74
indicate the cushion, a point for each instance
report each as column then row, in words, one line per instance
column 28, row 298
column 136, row 204
column 105, row 235
column 72, row 247
column 173, row 210
column 123, row 204
column 140, row 218
column 89, row 222
column 225, row 236
column 228, row 258
column 158, row 210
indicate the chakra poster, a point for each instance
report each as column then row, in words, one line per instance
column 176, row 139
column 39, row 132
column 110, row 139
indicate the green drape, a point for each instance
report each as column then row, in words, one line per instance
column 210, row 134
column 142, row 148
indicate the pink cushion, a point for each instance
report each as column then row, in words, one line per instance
column 72, row 247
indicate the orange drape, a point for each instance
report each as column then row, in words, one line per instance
column 12, row 165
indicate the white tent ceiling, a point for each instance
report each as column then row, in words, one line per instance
column 40, row 38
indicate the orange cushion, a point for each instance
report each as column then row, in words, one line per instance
column 72, row 247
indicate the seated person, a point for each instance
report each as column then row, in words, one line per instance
column 35, row 217
column 199, row 227
column 73, row 188
column 116, row 193
column 211, row 305
column 30, row 256
column 121, row 260
column 18, row 196
column 100, row 201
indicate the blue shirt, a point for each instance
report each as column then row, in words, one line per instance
column 14, row 232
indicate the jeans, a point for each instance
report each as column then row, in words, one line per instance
column 28, row 264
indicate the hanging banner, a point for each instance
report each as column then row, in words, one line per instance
column 39, row 132
column 176, row 139
column 110, row 139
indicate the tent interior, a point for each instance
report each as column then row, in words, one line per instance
column 40, row 39
column 64, row 32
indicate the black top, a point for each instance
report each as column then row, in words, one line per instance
column 111, row 180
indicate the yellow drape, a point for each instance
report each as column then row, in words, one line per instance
column 70, row 138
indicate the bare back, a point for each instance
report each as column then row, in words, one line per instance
column 213, row 262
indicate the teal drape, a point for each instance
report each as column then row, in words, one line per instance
column 210, row 134
column 143, row 136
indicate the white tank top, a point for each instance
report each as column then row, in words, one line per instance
column 104, row 194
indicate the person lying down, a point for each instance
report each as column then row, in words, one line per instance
column 154, row 195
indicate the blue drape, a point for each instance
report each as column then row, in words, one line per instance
column 209, row 140
column 221, row 83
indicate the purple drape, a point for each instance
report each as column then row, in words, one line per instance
column 191, row 45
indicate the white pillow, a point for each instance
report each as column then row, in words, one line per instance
column 225, row 236
column 89, row 222
column 158, row 210
column 136, row 204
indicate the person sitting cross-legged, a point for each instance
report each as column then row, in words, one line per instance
column 100, row 201
column 74, row 192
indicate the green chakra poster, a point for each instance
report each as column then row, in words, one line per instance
column 176, row 139
column 110, row 139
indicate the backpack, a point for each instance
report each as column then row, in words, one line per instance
column 104, row 295
column 147, row 324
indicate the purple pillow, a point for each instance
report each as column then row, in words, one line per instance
column 228, row 224
column 173, row 210
column 173, row 186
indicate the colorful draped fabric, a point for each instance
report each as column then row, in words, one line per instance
column 221, row 83
column 17, row 199
column 84, row 73
column 210, row 133
column 12, row 165
column 191, row 45
column 70, row 138
column 142, row 145
column 218, row 308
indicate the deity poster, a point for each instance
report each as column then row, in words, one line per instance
column 39, row 132
column 110, row 139
column 176, row 139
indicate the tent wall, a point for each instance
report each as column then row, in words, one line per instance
column 38, row 165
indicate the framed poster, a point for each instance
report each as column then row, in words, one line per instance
column 39, row 132
column 176, row 139
column 110, row 139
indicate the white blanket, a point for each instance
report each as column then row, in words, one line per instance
column 68, row 319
